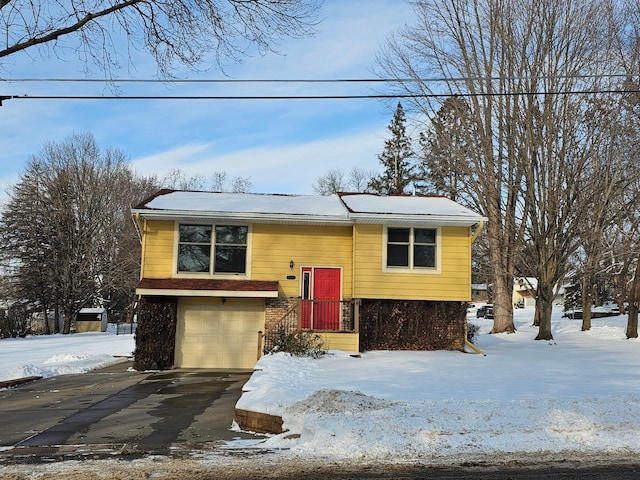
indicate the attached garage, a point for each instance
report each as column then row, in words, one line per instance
column 218, row 333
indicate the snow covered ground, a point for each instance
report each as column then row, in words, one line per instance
column 578, row 393
column 51, row 355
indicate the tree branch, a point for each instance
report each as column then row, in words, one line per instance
column 54, row 35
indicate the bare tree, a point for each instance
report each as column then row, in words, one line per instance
column 64, row 224
column 120, row 251
column 460, row 41
column 614, row 177
column 182, row 31
column 335, row 180
column 219, row 181
column 178, row 179
column 517, row 64
column 241, row 185
column 358, row 179
column 628, row 271
column 331, row 182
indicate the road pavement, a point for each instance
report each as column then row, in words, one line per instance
column 118, row 411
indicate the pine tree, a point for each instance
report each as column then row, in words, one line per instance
column 445, row 150
column 397, row 159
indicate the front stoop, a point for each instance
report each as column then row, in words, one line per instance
column 258, row 422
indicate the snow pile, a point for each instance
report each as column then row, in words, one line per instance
column 577, row 393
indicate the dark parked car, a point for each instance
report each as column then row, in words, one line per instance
column 485, row 311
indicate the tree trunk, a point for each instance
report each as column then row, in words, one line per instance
column 503, row 305
column 586, row 302
column 56, row 320
column 66, row 325
column 632, row 322
column 502, row 271
column 544, row 307
column 47, row 328
column 634, row 301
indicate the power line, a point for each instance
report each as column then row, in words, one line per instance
column 305, row 80
column 308, row 97
column 205, row 80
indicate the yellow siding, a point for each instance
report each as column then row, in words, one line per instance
column 158, row 249
column 452, row 283
column 88, row 326
column 274, row 246
column 348, row 342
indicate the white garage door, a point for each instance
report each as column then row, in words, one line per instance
column 210, row 334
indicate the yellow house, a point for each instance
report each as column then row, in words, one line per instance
column 363, row 271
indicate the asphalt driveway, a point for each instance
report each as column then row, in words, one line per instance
column 117, row 411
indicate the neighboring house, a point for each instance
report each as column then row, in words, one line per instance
column 91, row 320
column 364, row 271
column 525, row 291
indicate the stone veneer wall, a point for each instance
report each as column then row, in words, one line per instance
column 412, row 325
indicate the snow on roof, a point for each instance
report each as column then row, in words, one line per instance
column 405, row 205
column 247, row 203
column 343, row 208
column 93, row 310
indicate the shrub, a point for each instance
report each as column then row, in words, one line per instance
column 156, row 333
column 298, row 344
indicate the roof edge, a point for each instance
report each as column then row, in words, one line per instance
column 159, row 193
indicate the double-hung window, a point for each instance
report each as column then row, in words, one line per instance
column 412, row 248
column 212, row 249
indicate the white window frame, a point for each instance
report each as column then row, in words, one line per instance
column 411, row 268
column 211, row 273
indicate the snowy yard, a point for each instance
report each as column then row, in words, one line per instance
column 50, row 355
column 579, row 393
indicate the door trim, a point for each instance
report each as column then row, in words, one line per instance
column 307, row 289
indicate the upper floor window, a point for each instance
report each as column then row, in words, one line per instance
column 212, row 249
column 412, row 247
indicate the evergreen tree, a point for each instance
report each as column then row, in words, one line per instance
column 397, row 159
column 444, row 147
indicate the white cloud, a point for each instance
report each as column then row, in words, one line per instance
column 350, row 34
column 162, row 162
column 286, row 168
column 281, row 145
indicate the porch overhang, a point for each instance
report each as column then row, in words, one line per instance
column 193, row 287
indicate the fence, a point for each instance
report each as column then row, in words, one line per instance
column 123, row 328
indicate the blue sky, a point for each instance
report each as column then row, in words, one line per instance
column 282, row 146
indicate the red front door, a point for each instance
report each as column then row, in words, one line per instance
column 320, row 298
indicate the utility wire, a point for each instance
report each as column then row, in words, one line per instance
column 205, row 80
column 306, row 97
column 305, row 80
